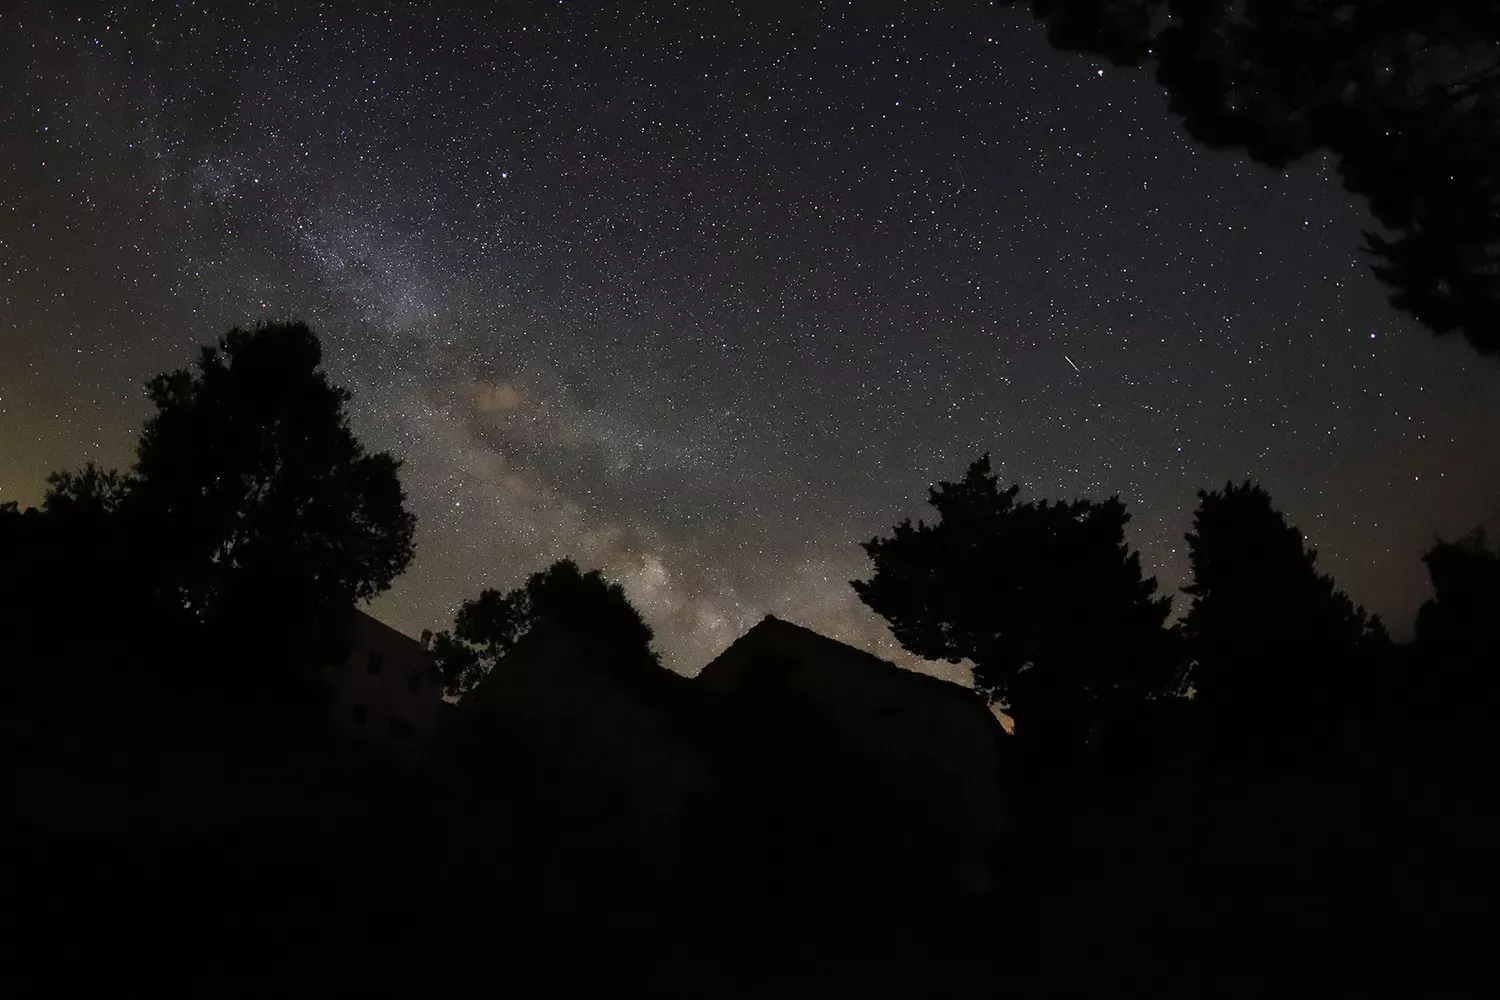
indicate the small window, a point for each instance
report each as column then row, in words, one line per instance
column 361, row 713
column 374, row 663
column 414, row 683
column 400, row 728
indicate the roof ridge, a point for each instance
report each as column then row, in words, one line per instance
column 948, row 686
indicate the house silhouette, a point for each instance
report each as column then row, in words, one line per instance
column 933, row 751
column 627, row 767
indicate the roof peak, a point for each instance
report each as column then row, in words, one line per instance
column 773, row 620
column 931, row 681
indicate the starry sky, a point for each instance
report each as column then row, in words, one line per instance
column 704, row 295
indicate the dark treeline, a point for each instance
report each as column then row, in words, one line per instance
column 1265, row 790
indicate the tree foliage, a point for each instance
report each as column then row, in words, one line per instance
column 251, row 522
column 257, row 495
column 585, row 605
column 1046, row 600
column 91, row 493
column 1273, row 644
column 217, row 577
column 1404, row 95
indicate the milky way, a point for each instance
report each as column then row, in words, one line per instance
column 705, row 299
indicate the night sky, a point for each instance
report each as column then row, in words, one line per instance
column 704, row 299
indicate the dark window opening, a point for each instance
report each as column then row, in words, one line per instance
column 400, row 728
column 374, row 663
column 361, row 712
column 414, row 683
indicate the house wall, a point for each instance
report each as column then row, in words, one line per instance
column 387, row 690
column 942, row 750
column 548, row 705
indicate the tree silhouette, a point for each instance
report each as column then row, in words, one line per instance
column 1274, row 646
column 261, row 504
column 585, row 605
column 1447, row 747
column 1292, row 697
column 1046, row 600
column 1405, row 95
column 1461, row 624
column 90, row 493
column 1455, row 692
column 252, row 511
column 73, row 551
column 218, row 575
column 461, row 664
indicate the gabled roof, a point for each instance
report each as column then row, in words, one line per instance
column 778, row 633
